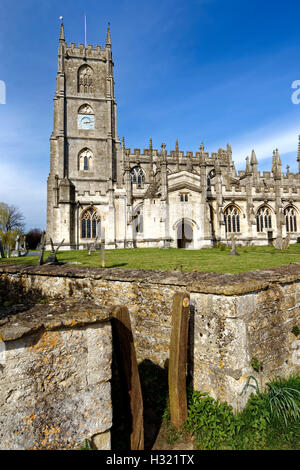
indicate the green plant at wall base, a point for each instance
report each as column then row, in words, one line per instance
column 212, row 423
column 283, row 400
column 172, row 435
column 295, row 330
column 270, row 419
column 256, row 365
column 255, row 418
column 86, row 445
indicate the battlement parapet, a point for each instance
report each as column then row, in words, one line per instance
column 172, row 154
column 90, row 52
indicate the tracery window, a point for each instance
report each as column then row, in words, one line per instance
column 85, row 79
column 85, row 109
column 90, row 224
column 263, row 219
column 137, row 176
column 138, row 220
column 85, row 160
column 232, row 220
column 290, row 219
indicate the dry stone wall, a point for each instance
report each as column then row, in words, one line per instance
column 234, row 318
column 55, row 370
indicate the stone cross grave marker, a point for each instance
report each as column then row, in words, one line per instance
column 92, row 246
column 16, row 251
column 233, row 249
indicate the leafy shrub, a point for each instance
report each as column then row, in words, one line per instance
column 257, row 366
column 221, row 246
column 270, row 419
column 212, row 423
column 283, row 401
column 255, row 418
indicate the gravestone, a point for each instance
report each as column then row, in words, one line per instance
column 92, row 246
column 42, row 248
column 103, row 247
column 16, row 252
column 24, row 247
column 233, row 249
column 277, row 243
column 2, row 255
column 52, row 257
column 286, row 243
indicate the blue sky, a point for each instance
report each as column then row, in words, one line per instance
column 220, row 71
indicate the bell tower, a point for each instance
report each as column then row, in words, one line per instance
column 84, row 145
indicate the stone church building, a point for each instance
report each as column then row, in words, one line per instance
column 151, row 198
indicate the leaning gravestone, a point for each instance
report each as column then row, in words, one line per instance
column 52, row 257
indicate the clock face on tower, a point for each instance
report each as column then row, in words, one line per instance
column 86, row 121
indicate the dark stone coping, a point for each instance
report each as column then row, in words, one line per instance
column 52, row 316
column 201, row 282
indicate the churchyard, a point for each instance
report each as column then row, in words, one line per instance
column 204, row 260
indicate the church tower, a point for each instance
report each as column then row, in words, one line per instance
column 84, row 146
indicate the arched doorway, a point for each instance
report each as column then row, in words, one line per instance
column 184, row 234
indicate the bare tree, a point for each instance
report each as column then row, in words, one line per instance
column 11, row 225
column 10, row 218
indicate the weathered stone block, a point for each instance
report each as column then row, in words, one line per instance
column 55, row 377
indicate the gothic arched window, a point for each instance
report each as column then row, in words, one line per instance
column 263, row 219
column 137, row 176
column 290, row 219
column 85, row 79
column 138, row 220
column 232, row 219
column 85, row 160
column 90, row 224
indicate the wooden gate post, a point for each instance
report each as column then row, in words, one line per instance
column 178, row 359
column 126, row 358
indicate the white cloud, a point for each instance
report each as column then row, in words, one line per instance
column 264, row 141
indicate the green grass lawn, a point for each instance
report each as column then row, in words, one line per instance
column 205, row 260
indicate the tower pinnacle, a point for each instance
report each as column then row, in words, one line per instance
column 62, row 33
column 108, row 38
